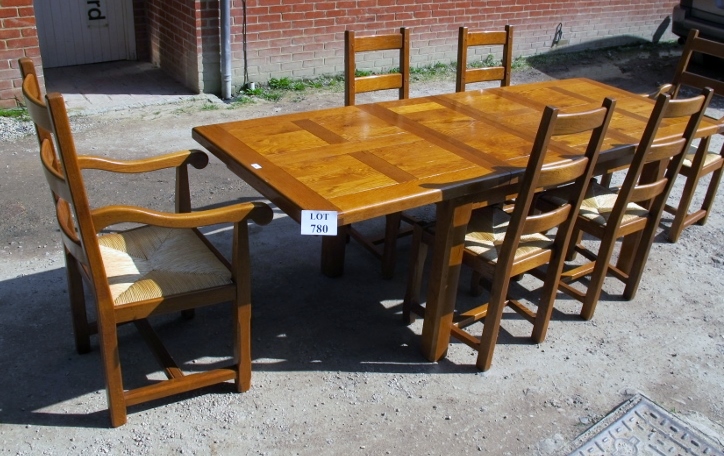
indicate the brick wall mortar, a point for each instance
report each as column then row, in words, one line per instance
column 18, row 38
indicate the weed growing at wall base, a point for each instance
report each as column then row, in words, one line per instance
column 15, row 113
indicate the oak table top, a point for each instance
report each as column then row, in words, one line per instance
column 375, row 159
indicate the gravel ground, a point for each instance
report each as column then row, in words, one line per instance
column 335, row 371
column 12, row 129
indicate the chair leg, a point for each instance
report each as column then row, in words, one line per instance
column 681, row 214
column 711, row 194
column 547, row 299
column 491, row 328
column 598, row 276
column 606, row 179
column 110, row 357
column 418, row 254
column 639, row 261
column 78, row 310
column 576, row 239
column 241, row 272
column 242, row 344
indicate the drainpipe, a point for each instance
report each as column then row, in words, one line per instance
column 225, row 38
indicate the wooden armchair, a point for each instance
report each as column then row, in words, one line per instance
column 384, row 246
column 633, row 209
column 165, row 265
column 500, row 245
column 699, row 161
column 467, row 39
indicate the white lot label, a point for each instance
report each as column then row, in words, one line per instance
column 321, row 223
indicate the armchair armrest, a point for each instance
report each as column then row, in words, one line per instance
column 195, row 158
column 106, row 216
column 179, row 160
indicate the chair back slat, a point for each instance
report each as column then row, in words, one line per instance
column 489, row 37
column 31, row 85
column 377, row 42
column 474, row 75
column 553, row 175
column 36, row 108
column 647, row 192
column 467, row 39
column 378, row 82
column 664, row 150
column 541, row 223
column 53, row 172
column 360, row 84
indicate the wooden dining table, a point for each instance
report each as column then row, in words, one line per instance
column 371, row 160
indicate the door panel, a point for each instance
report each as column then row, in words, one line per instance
column 76, row 32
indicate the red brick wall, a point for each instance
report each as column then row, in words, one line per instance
column 208, row 46
column 18, row 38
column 140, row 27
column 301, row 38
column 173, row 38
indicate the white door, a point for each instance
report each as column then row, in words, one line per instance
column 75, row 32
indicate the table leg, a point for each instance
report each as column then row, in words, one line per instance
column 333, row 248
column 451, row 224
column 389, row 250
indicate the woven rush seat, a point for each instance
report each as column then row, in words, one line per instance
column 154, row 262
column 486, row 233
column 597, row 204
column 709, row 158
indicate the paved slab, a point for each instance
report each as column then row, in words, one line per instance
column 109, row 86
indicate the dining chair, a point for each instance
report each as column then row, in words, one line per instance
column 502, row 244
column 609, row 213
column 382, row 246
column 467, row 39
column 400, row 79
column 164, row 265
column 699, row 161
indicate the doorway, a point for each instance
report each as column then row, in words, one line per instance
column 78, row 32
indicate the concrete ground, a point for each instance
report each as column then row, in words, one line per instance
column 335, row 371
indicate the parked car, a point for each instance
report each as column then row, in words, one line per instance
column 705, row 15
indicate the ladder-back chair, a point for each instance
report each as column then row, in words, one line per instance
column 400, row 79
column 700, row 161
column 502, row 244
column 468, row 39
column 635, row 208
column 165, row 265
column 384, row 246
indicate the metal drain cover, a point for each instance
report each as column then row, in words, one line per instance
column 640, row 427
